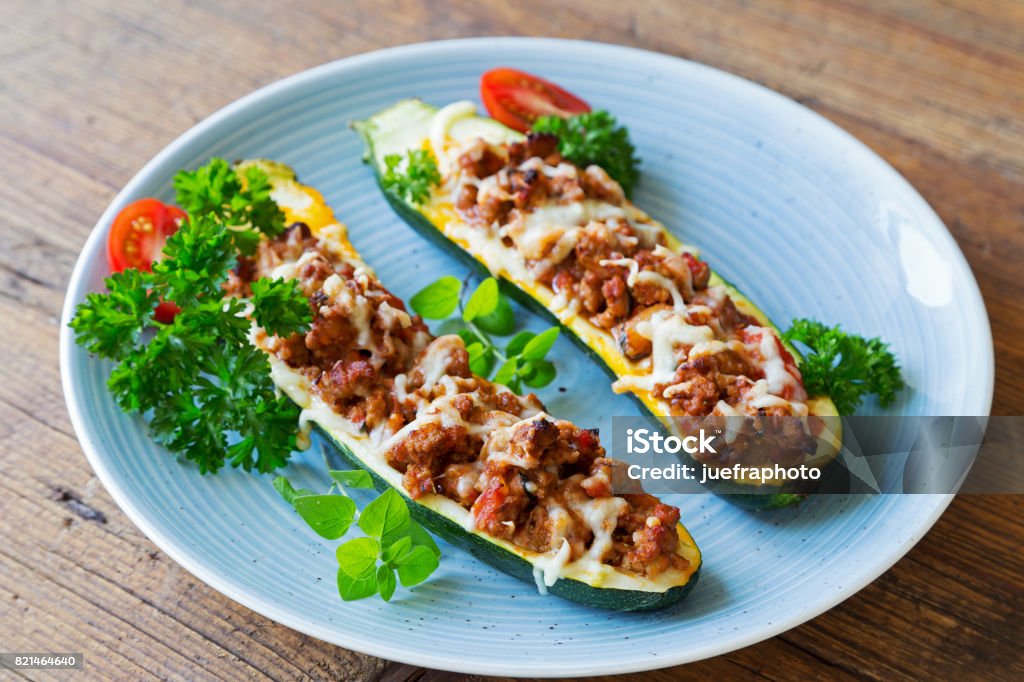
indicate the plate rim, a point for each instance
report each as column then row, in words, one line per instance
column 253, row 600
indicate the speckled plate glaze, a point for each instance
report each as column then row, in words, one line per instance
column 796, row 212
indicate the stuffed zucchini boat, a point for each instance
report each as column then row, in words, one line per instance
column 486, row 469
column 568, row 244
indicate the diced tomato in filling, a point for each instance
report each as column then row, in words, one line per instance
column 789, row 392
column 588, row 440
column 699, row 269
column 497, row 510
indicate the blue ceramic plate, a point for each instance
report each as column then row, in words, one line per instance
column 797, row 213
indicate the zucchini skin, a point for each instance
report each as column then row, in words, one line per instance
column 756, row 498
column 507, row 562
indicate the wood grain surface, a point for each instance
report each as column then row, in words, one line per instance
column 91, row 89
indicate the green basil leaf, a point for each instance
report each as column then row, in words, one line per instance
column 329, row 515
column 396, row 549
column 416, row 566
column 507, row 372
column 467, row 336
column 438, row 300
column 483, row 301
column 358, row 557
column 283, row 486
column 518, row 343
column 481, row 359
column 421, row 538
column 352, row 589
column 500, row 321
column 355, row 478
column 537, row 347
column 385, row 582
column 538, row 373
column 386, row 516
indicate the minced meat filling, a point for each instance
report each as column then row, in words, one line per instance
column 524, row 476
column 608, row 261
column 361, row 336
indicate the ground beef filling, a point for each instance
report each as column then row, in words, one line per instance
column 536, row 479
column 616, row 273
column 361, row 336
column 522, row 474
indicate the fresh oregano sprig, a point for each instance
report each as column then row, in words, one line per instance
column 484, row 312
column 410, row 178
column 393, row 543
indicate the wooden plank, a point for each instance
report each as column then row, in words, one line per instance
column 91, row 90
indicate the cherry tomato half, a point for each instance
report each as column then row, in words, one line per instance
column 137, row 239
column 139, row 232
column 517, row 99
column 165, row 312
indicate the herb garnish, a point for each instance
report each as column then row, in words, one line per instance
column 595, row 138
column 198, row 377
column 241, row 203
column 487, row 311
column 393, row 541
column 411, row 182
column 845, row 367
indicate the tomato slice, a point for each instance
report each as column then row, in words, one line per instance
column 517, row 98
column 137, row 239
column 139, row 233
column 165, row 312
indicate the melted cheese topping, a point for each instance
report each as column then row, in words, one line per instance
column 667, row 330
column 601, row 514
column 440, row 128
column 290, row 269
column 549, row 568
column 777, row 376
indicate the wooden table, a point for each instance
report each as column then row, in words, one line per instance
column 92, row 89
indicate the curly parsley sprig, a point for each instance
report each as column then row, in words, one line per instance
column 484, row 312
column 392, row 542
column 198, row 377
column 845, row 367
column 411, row 178
column 241, row 202
column 595, row 138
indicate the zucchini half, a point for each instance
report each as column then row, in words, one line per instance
column 583, row 581
column 413, row 124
